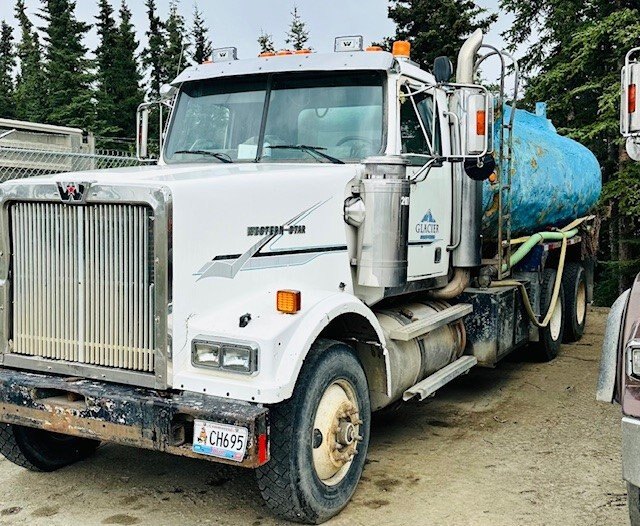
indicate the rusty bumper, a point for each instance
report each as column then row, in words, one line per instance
column 145, row 418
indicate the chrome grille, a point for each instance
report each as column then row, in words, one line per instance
column 83, row 283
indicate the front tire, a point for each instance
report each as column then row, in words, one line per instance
column 319, row 438
column 39, row 450
column 551, row 335
column 633, row 502
column 574, row 283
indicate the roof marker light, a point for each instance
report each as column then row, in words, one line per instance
column 284, row 52
column 224, row 54
column 374, row 48
column 302, row 52
column 402, row 49
column 267, row 54
column 353, row 43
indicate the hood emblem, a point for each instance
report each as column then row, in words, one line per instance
column 73, row 192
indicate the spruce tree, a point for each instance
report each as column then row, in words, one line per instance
column 127, row 76
column 106, row 54
column 297, row 36
column 154, row 55
column 177, row 49
column 69, row 99
column 30, row 93
column 7, row 63
column 265, row 41
column 201, row 44
column 436, row 27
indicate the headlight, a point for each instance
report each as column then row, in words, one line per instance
column 228, row 356
column 634, row 361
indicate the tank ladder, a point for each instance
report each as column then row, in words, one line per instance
column 504, row 158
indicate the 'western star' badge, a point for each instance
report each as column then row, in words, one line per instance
column 275, row 230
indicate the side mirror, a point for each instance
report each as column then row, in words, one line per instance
column 629, row 103
column 142, row 142
column 476, row 121
column 442, row 69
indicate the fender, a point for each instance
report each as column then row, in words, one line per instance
column 610, row 348
column 308, row 331
column 283, row 340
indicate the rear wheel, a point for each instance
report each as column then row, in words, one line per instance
column 633, row 502
column 319, row 438
column 574, row 283
column 551, row 335
column 39, row 450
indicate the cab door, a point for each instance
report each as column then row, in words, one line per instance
column 430, row 206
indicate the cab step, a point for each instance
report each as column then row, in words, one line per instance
column 432, row 383
column 420, row 327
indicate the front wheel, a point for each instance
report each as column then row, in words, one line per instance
column 319, row 438
column 633, row 501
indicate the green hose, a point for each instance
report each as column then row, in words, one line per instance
column 526, row 247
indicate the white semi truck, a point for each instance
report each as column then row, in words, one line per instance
column 308, row 251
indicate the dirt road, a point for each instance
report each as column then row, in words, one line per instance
column 524, row 444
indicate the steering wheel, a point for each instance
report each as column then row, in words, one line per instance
column 356, row 150
column 202, row 144
column 350, row 138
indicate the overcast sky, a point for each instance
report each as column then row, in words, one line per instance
column 239, row 22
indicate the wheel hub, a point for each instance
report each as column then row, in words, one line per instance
column 338, row 423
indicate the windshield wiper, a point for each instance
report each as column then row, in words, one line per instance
column 220, row 156
column 309, row 149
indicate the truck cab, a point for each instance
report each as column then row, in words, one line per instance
column 307, row 251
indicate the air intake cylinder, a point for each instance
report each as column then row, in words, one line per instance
column 384, row 233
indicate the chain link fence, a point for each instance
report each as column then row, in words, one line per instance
column 28, row 162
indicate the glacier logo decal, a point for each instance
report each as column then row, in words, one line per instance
column 428, row 228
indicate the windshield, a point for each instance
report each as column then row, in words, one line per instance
column 276, row 118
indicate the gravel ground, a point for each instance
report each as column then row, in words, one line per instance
column 523, row 444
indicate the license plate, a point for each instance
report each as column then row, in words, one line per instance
column 220, row 440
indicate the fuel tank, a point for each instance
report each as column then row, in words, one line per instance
column 554, row 179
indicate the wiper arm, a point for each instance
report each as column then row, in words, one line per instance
column 308, row 149
column 220, row 156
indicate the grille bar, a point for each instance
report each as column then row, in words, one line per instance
column 83, row 284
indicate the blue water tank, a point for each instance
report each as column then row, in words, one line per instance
column 554, row 179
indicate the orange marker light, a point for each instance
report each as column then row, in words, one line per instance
column 374, row 48
column 631, row 103
column 302, row 52
column 402, row 49
column 284, row 52
column 481, row 122
column 493, row 178
column 288, row 301
column 267, row 54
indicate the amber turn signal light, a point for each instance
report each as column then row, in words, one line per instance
column 288, row 301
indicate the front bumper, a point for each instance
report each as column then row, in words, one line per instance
column 132, row 416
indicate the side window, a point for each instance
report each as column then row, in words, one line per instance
column 412, row 136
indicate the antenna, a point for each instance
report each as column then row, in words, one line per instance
column 184, row 44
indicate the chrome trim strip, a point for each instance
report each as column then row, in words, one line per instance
column 159, row 199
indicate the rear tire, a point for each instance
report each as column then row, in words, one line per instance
column 574, row 283
column 38, row 450
column 633, row 502
column 551, row 335
column 312, row 474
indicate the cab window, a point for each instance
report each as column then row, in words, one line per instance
column 412, row 137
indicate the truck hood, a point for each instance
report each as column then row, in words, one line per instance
column 171, row 175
